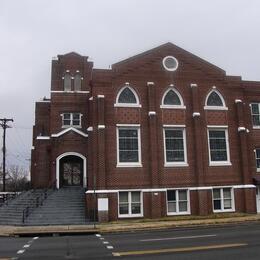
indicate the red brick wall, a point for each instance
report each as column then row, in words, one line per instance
column 101, row 145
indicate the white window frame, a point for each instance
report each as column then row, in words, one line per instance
column 175, row 164
column 257, row 103
column 129, row 164
column 137, row 104
column 222, row 200
column 188, row 212
column 130, row 215
column 71, row 120
column 224, row 107
column 219, row 163
column 256, row 158
column 181, row 106
column 170, row 69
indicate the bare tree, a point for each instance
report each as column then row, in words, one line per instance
column 16, row 179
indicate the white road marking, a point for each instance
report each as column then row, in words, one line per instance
column 175, row 238
column 105, row 242
column 110, row 247
column 102, row 238
column 35, row 238
column 20, row 252
column 98, row 235
column 26, row 246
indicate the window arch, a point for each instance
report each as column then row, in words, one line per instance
column 77, row 82
column 215, row 101
column 127, row 97
column 172, row 99
column 67, row 82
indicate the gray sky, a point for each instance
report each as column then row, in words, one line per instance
column 224, row 32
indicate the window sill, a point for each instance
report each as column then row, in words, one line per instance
column 129, row 165
column 131, row 216
column 223, row 211
column 74, row 126
column 220, row 164
column 178, row 214
column 215, row 108
column 172, row 107
column 127, row 105
column 169, row 165
column 258, row 170
column 256, row 127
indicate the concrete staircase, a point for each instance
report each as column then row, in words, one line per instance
column 65, row 206
column 12, row 213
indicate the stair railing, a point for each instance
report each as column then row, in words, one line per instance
column 38, row 201
column 6, row 197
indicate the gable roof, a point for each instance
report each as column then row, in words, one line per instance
column 168, row 47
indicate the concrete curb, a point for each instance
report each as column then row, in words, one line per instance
column 6, row 231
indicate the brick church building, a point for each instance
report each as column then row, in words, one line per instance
column 161, row 133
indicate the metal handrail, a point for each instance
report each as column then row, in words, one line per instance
column 6, row 197
column 38, row 201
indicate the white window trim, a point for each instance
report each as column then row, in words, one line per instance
column 71, row 120
column 222, row 200
column 257, row 169
column 224, row 107
column 170, row 69
column 254, row 126
column 129, row 164
column 137, row 104
column 175, row 164
column 188, row 212
column 219, row 163
column 181, row 106
column 130, row 215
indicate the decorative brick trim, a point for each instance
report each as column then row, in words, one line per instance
column 43, row 137
column 101, row 126
column 196, row 114
column 69, row 129
column 151, row 113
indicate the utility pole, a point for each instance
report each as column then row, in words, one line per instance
column 3, row 124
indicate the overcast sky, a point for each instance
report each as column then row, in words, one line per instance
column 224, row 32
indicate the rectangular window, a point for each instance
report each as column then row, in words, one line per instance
column 175, row 146
column 178, row 202
column 257, row 159
column 218, row 146
column 130, row 204
column 255, row 112
column 128, row 146
column 71, row 119
column 222, row 199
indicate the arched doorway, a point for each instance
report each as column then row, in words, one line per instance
column 71, row 170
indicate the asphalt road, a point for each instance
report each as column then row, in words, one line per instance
column 229, row 242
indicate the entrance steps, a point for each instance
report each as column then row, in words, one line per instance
column 12, row 213
column 65, row 206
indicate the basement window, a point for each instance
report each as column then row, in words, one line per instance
column 130, row 204
column 178, row 202
column 223, row 200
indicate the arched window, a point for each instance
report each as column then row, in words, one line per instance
column 214, row 100
column 172, row 99
column 77, row 82
column 67, row 82
column 127, row 97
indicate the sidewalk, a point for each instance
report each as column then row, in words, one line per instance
column 131, row 225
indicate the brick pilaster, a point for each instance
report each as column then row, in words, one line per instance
column 153, row 164
column 243, row 132
column 101, row 180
